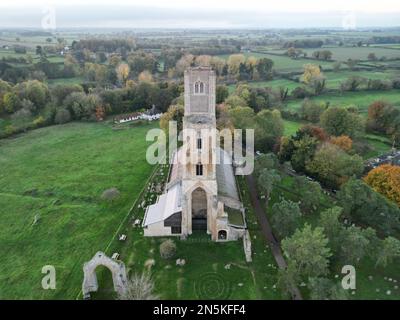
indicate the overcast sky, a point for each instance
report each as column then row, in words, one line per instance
column 199, row 14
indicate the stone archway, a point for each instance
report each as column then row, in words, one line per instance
column 199, row 209
column 117, row 269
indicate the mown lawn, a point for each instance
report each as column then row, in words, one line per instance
column 57, row 175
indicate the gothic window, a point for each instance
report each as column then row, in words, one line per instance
column 199, row 87
column 199, row 169
column 199, row 143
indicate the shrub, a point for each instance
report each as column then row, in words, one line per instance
column 167, row 249
column 9, row 130
column 39, row 121
column 62, row 116
column 139, row 287
column 110, row 194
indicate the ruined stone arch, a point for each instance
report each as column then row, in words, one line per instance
column 117, row 269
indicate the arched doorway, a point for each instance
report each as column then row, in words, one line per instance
column 199, row 209
column 117, row 269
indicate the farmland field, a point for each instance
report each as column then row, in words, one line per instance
column 355, row 53
column 283, row 63
column 57, row 175
column 361, row 99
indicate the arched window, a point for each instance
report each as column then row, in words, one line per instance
column 199, row 87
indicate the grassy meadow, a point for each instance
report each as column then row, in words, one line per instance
column 57, row 175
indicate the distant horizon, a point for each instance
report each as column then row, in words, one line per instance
column 207, row 14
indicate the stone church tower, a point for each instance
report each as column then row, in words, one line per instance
column 201, row 193
column 199, row 181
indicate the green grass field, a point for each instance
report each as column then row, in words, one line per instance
column 355, row 53
column 362, row 99
column 58, row 174
column 335, row 78
column 283, row 63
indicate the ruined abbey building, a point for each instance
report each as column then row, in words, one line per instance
column 201, row 193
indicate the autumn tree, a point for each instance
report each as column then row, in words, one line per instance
column 343, row 142
column 145, row 76
column 314, row 78
column 123, row 72
column 385, row 179
column 234, row 62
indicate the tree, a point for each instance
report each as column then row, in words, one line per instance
column 311, row 111
column 265, row 161
column 62, row 116
column 310, row 193
column 285, row 218
column 221, row 93
column 264, row 68
column 35, row 91
column 145, row 76
column 10, row 102
column 242, row 117
column 123, row 72
column 365, row 206
column 329, row 220
column 266, row 180
column 326, row 289
column 269, row 128
column 235, row 101
column 174, row 113
column 234, row 62
column 307, row 250
column 352, row 83
column 339, row 121
column 372, row 57
column 333, row 166
column 354, row 245
column 61, row 91
column 183, row 63
column 314, row 78
column 390, row 250
column 343, row 142
column 351, row 63
column 303, row 152
column 139, row 287
column 381, row 116
column 385, row 179
column 336, row 66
